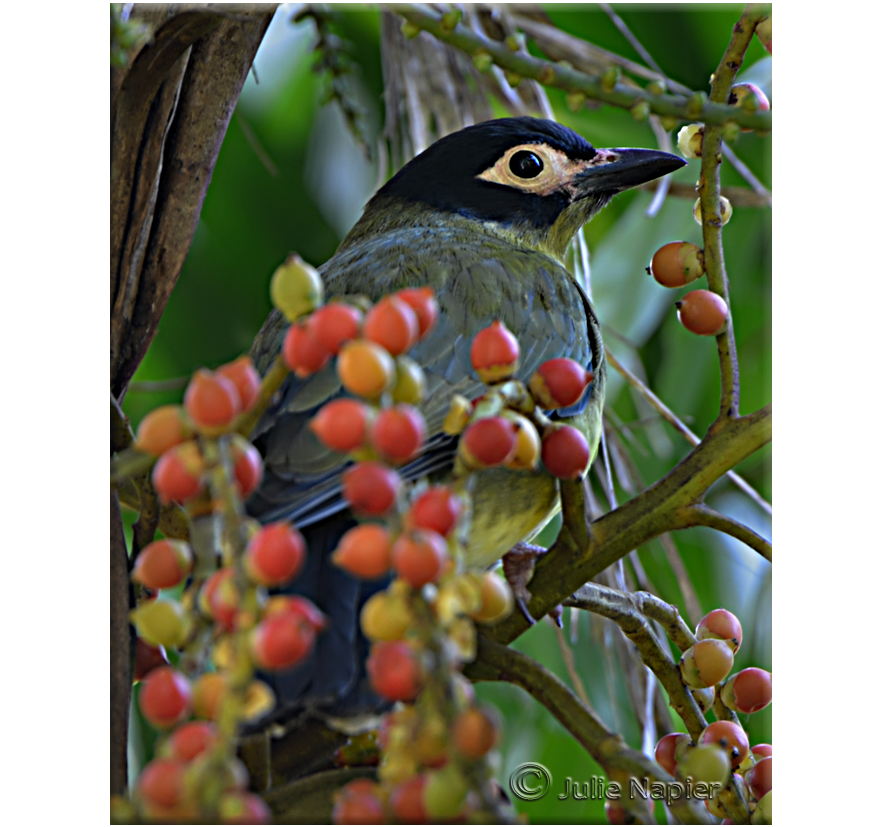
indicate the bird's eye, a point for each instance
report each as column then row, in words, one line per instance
column 525, row 164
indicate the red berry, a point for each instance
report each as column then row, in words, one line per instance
column 559, row 383
column 748, row 691
column 163, row 564
column 437, row 509
column 730, row 737
column 211, row 401
column 357, row 803
column 392, row 323
column 395, row 671
column 565, row 452
column 370, row 487
column 760, row 778
column 177, row 475
column 407, row 801
column 165, row 697
column 703, row 312
column 302, row 353
column 364, row 551
column 760, row 751
column 333, row 324
column 282, row 640
column 275, row 554
column 421, row 299
column 669, row 750
column 341, row 424
column 398, row 433
column 721, row 624
column 495, row 353
column 238, row 807
column 162, row 782
column 191, row 739
column 147, row 658
column 488, row 442
column 418, row 556
column 219, row 598
column 298, row 606
column 247, row 465
column 244, row 376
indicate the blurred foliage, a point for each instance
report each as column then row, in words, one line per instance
column 291, row 177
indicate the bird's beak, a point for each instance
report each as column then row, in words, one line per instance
column 613, row 170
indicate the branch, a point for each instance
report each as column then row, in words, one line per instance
column 500, row 663
column 660, row 508
column 568, row 79
column 626, row 610
column 702, row 515
column 121, row 642
column 709, row 188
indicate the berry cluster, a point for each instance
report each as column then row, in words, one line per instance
column 432, row 748
column 722, row 753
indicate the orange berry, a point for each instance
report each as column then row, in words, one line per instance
column 370, row 487
column 207, row 693
column 365, row 368
column 302, row 353
column 211, row 401
column 565, row 452
column 163, row 564
column 677, row 264
column 364, row 551
column 496, row 596
column 341, row 424
column 161, row 429
column 393, row 324
column 398, row 433
column 244, row 376
column 474, row 733
column 421, row 299
column 495, row 353
column 333, row 324
column 418, row 556
column 703, row 312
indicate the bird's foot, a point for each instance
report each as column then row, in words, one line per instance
column 519, row 566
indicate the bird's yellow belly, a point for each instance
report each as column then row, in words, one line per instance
column 508, row 507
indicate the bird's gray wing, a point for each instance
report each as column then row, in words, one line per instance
column 477, row 278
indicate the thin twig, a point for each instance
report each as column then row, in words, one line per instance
column 702, row 515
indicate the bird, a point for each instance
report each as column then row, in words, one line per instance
column 483, row 216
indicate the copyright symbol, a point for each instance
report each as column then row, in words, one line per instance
column 530, row 781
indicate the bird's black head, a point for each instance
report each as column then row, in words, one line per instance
column 532, row 178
